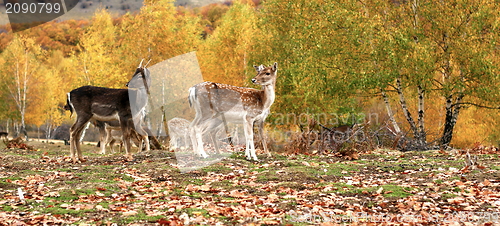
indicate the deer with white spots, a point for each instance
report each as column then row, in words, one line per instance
column 217, row 103
column 178, row 132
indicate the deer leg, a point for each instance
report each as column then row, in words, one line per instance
column 141, row 136
column 214, row 126
column 213, row 137
column 192, row 138
column 146, row 141
column 104, row 138
column 72, row 147
column 199, row 143
column 110, row 144
column 260, row 125
column 185, row 143
column 75, row 134
column 126, row 125
column 173, row 141
column 250, row 148
column 196, row 138
column 141, row 143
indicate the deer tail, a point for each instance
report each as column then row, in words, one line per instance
column 192, row 96
column 69, row 106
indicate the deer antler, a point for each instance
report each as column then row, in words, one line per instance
column 140, row 65
column 147, row 63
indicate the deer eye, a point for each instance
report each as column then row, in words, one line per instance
column 268, row 73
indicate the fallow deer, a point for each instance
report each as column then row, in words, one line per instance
column 4, row 135
column 106, row 104
column 233, row 104
column 178, row 131
column 110, row 132
column 113, row 136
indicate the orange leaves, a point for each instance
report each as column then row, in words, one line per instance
column 101, row 189
column 196, row 188
column 312, row 190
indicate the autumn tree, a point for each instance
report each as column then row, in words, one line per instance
column 307, row 39
column 20, row 71
column 59, row 77
column 97, row 58
column 401, row 50
column 156, row 33
column 225, row 54
column 422, row 47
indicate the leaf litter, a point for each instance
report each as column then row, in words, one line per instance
column 43, row 187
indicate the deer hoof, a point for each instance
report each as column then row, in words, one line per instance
column 129, row 158
column 249, row 158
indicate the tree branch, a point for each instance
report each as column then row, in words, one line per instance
column 476, row 105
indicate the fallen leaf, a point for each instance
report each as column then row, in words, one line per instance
column 205, row 187
column 236, row 194
column 129, row 213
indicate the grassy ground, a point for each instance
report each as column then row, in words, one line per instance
column 384, row 185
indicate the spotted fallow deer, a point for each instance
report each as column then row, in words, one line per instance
column 106, row 104
column 217, row 103
column 178, row 132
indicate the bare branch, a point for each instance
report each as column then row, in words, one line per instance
column 475, row 105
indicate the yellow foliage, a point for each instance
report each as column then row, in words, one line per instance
column 224, row 55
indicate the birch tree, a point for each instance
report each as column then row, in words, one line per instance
column 19, row 71
column 447, row 47
column 404, row 51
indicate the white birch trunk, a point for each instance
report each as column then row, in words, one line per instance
column 390, row 113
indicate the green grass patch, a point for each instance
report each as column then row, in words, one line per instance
column 389, row 190
column 495, row 167
column 292, row 185
column 7, row 208
column 222, row 184
column 63, row 211
column 218, row 169
column 188, row 181
column 340, row 169
column 446, row 196
column 140, row 217
column 194, row 212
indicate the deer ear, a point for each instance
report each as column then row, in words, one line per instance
column 275, row 66
column 257, row 68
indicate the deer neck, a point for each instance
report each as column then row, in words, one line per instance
column 268, row 95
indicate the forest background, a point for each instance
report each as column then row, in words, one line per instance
column 419, row 65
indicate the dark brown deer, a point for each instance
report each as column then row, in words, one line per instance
column 106, row 104
column 217, row 103
column 4, row 135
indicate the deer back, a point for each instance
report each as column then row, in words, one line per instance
column 102, row 103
